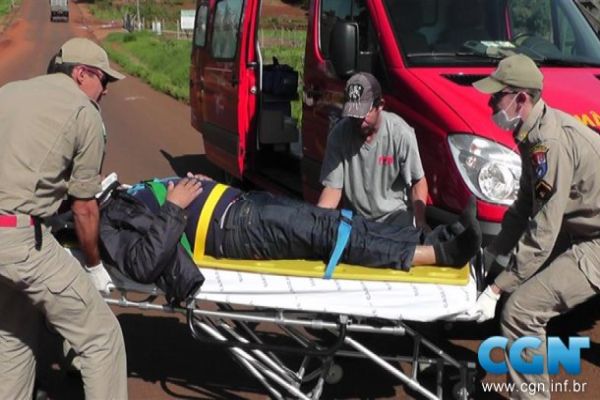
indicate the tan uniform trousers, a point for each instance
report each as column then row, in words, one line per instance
column 553, row 291
column 52, row 281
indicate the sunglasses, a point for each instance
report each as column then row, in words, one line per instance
column 99, row 74
column 496, row 97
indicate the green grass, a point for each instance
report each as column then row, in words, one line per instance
column 161, row 62
column 5, row 6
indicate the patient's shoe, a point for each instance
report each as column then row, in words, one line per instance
column 100, row 278
column 462, row 248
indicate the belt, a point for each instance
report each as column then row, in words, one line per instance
column 16, row 221
column 19, row 221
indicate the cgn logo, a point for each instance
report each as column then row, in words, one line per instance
column 558, row 354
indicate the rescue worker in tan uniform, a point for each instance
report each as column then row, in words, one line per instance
column 52, row 147
column 559, row 194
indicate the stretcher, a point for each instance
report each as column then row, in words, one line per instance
column 231, row 306
column 321, row 320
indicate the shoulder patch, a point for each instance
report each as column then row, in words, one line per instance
column 543, row 190
column 538, row 160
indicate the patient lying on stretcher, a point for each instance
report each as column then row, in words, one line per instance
column 150, row 230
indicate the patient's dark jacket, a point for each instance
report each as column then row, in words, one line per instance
column 145, row 245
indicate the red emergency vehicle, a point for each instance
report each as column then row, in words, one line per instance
column 426, row 54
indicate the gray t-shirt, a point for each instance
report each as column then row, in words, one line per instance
column 376, row 176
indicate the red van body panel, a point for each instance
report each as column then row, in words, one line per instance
column 221, row 92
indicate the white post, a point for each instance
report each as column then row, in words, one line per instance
column 139, row 21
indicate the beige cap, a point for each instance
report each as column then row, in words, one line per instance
column 85, row 51
column 517, row 71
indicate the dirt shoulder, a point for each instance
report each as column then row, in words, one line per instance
column 99, row 29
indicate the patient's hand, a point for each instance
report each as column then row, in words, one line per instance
column 184, row 192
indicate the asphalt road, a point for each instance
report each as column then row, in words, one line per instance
column 150, row 135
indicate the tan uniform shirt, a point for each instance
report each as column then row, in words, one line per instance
column 559, row 191
column 51, row 143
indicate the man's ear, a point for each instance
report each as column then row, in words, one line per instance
column 521, row 98
column 381, row 104
column 78, row 74
column 520, row 101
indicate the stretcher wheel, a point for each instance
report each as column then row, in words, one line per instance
column 334, row 375
column 458, row 392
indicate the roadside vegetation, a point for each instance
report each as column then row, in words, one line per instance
column 6, row 6
column 167, row 11
column 161, row 62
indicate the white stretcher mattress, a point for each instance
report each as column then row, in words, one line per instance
column 388, row 300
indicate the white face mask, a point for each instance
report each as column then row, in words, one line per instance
column 505, row 122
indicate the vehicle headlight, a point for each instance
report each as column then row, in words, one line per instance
column 490, row 170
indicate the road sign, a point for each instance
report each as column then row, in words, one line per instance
column 187, row 19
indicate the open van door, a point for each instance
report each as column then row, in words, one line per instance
column 223, row 80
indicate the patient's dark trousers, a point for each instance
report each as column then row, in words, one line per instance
column 262, row 226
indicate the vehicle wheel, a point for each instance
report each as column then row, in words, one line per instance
column 334, row 375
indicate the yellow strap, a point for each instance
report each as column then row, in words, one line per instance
column 204, row 220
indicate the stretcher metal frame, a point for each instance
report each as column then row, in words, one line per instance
column 233, row 327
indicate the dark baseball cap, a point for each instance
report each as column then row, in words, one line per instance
column 518, row 71
column 85, row 51
column 362, row 89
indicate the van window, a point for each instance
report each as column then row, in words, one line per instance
column 531, row 16
column 565, row 35
column 369, row 57
column 333, row 11
column 200, row 28
column 224, row 38
column 409, row 17
column 475, row 32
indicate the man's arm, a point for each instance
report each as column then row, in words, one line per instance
column 419, row 192
column 143, row 254
column 330, row 197
column 516, row 217
column 552, row 188
column 86, row 216
column 332, row 169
